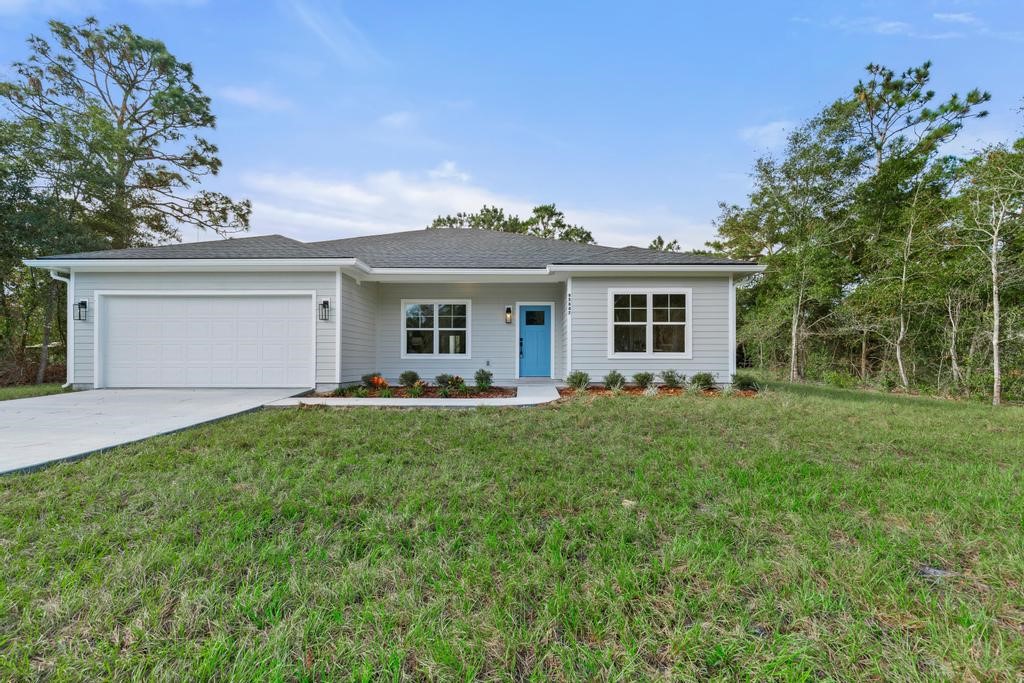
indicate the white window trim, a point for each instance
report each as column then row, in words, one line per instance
column 687, row 326
column 437, row 337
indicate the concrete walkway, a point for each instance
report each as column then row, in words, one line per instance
column 34, row 431
column 527, row 395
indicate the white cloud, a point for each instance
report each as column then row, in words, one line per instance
column 888, row 27
column 767, row 135
column 255, row 98
column 402, row 120
column 310, row 207
column 448, row 170
column 337, row 33
column 956, row 17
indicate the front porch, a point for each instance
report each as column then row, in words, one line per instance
column 516, row 331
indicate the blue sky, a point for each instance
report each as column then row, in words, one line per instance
column 636, row 118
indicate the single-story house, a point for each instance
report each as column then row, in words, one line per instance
column 275, row 312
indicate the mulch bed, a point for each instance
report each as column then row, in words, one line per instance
column 566, row 392
column 430, row 392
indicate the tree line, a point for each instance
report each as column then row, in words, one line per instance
column 889, row 260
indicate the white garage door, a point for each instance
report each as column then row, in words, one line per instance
column 206, row 341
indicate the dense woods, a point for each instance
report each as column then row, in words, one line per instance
column 890, row 262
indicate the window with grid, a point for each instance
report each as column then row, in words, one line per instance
column 648, row 323
column 436, row 328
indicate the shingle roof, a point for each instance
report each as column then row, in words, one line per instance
column 429, row 248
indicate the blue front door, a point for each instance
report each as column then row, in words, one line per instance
column 534, row 341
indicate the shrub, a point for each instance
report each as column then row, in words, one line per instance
column 444, row 380
column 744, row 382
column 374, row 381
column 578, row 380
column 839, row 379
column 614, row 380
column 457, row 385
column 385, row 393
column 643, row 379
column 443, row 391
column 672, row 379
column 360, row 392
column 484, row 379
column 703, row 381
column 409, row 378
column 339, row 391
column 417, row 389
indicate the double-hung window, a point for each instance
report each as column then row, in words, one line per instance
column 649, row 322
column 435, row 328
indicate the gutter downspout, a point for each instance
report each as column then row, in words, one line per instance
column 70, row 350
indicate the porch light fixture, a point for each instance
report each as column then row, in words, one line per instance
column 80, row 309
column 508, row 315
column 325, row 310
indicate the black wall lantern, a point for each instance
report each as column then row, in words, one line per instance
column 325, row 310
column 508, row 315
column 80, row 309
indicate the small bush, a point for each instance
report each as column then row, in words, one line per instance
column 444, row 391
column 417, row 389
column 703, row 381
column 386, row 392
column 614, row 380
column 374, row 381
column 409, row 378
column 360, row 392
column 457, row 385
column 578, row 380
column 672, row 379
column 444, row 380
column 842, row 380
column 339, row 391
column 745, row 382
column 484, row 379
column 644, row 379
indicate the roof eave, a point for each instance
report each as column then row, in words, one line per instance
column 362, row 270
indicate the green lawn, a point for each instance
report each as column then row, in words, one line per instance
column 790, row 536
column 28, row 390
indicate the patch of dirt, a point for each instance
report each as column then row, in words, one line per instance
column 429, row 392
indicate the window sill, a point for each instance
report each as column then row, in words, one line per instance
column 436, row 356
column 650, row 356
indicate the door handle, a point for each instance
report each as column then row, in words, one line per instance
column 520, row 347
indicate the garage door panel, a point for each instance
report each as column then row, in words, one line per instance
column 207, row 341
column 273, row 329
column 274, row 353
column 222, row 353
column 247, row 329
column 224, row 329
column 198, row 353
column 172, row 352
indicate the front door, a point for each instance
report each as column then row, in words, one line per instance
column 535, row 341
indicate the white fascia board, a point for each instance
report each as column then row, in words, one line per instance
column 362, row 271
column 710, row 269
column 188, row 264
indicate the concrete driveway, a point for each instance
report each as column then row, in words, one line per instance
column 38, row 430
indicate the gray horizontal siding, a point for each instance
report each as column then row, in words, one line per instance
column 493, row 343
column 358, row 328
column 86, row 284
column 710, row 321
